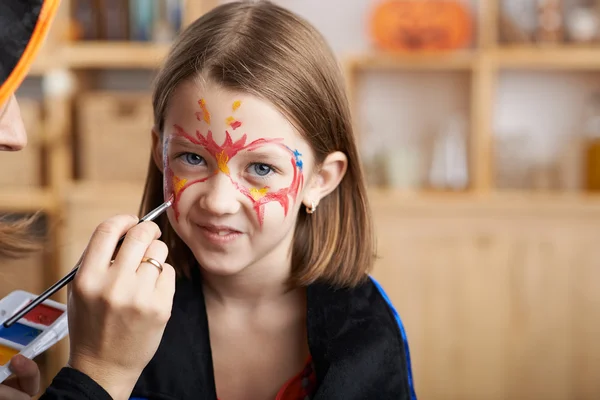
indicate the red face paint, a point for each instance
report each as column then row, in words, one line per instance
column 233, row 123
column 281, row 196
column 222, row 154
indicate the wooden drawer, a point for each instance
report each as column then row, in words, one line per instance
column 86, row 206
column 499, row 301
column 25, row 274
column 114, row 130
column 24, row 168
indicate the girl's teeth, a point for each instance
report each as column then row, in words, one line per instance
column 223, row 233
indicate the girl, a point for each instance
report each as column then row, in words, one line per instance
column 270, row 230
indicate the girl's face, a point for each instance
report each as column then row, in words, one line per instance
column 237, row 171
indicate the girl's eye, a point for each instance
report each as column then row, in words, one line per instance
column 192, row 159
column 261, row 169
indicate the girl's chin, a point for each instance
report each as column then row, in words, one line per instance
column 220, row 270
column 221, row 264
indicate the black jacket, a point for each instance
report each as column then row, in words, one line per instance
column 355, row 336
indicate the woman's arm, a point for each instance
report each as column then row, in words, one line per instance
column 118, row 308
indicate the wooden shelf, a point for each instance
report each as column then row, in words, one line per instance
column 118, row 190
column 532, row 201
column 27, row 200
column 421, row 61
column 43, row 65
column 559, row 57
column 130, row 55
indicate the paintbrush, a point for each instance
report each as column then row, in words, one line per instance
column 69, row 277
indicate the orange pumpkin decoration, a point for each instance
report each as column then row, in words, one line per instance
column 407, row 25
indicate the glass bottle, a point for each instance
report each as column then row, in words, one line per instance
column 592, row 144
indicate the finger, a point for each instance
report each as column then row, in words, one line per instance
column 10, row 393
column 135, row 245
column 148, row 273
column 165, row 284
column 103, row 243
column 27, row 374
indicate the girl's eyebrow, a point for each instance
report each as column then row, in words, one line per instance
column 270, row 149
column 182, row 141
column 274, row 155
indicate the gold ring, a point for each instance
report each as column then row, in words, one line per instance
column 153, row 262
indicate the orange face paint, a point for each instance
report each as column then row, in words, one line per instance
column 222, row 160
column 203, row 115
column 178, row 185
column 258, row 194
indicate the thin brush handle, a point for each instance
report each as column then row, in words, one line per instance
column 69, row 277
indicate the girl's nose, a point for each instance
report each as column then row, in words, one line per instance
column 222, row 196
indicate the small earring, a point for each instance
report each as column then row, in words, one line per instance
column 312, row 208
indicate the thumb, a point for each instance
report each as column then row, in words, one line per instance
column 27, row 374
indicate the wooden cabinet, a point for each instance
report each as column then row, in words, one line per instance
column 500, row 299
column 24, row 169
column 115, row 135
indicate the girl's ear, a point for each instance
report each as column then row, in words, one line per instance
column 157, row 150
column 326, row 178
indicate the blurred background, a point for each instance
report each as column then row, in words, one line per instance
column 479, row 128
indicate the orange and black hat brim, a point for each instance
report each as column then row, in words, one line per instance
column 24, row 25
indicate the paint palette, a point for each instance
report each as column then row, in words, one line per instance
column 33, row 334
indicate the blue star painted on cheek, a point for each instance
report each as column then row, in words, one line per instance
column 297, row 156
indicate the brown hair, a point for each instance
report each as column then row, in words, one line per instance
column 267, row 51
column 16, row 238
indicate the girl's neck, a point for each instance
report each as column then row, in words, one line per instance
column 252, row 287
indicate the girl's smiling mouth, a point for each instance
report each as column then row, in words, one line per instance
column 219, row 234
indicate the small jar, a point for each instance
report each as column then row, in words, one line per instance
column 592, row 145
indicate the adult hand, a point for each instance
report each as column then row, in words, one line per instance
column 26, row 380
column 118, row 310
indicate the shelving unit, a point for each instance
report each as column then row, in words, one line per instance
column 497, row 288
column 484, row 62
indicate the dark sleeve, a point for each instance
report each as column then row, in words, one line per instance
column 71, row 384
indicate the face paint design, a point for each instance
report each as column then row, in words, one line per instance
column 203, row 115
column 222, row 154
column 260, row 197
column 231, row 121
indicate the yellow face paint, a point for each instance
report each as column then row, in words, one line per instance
column 205, row 113
column 236, row 105
column 229, row 120
column 222, row 160
column 178, row 185
column 258, row 194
